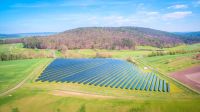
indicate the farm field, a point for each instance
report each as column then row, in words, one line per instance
column 79, row 97
column 189, row 76
column 13, row 72
column 18, row 51
column 140, row 52
column 92, row 98
column 170, row 63
column 18, row 48
column 51, row 102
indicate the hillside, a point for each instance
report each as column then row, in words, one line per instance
column 105, row 38
column 189, row 37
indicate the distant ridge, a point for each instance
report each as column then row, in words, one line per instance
column 189, row 37
column 141, row 35
column 105, row 38
column 22, row 35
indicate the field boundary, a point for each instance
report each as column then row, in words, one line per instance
column 40, row 71
column 183, row 86
column 23, row 81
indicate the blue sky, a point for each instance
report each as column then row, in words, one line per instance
column 22, row 16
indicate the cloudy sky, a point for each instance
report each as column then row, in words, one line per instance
column 22, row 16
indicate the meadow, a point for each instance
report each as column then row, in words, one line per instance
column 74, row 97
column 17, row 69
column 18, row 48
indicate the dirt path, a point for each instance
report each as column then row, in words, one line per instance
column 189, row 76
column 75, row 93
column 17, row 86
column 23, row 81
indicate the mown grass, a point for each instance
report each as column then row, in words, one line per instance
column 19, row 49
column 185, row 47
column 171, row 63
column 12, row 72
column 91, row 53
column 140, row 52
column 39, row 97
column 150, row 48
column 34, row 100
column 76, row 53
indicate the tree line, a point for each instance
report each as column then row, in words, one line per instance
column 63, row 44
column 174, row 52
column 26, row 55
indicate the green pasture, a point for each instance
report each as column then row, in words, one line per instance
column 171, row 63
column 36, row 100
column 19, row 49
column 47, row 97
column 40, row 96
column 12, row 72
column 185, row 47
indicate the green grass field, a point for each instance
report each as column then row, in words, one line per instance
column 185, row 47
column 12, row 72
column 171, row 63
column 18, row 49
column 34, row 96
column 32, row 100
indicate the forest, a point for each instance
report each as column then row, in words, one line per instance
column 115, row 38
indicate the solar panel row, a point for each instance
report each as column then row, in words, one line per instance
column 103, row 72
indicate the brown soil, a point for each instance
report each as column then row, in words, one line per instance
column 198, row 56
column 189, row 76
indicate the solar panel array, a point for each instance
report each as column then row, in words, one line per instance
column 103, row 72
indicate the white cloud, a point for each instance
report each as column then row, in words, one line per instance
column 176, row 15
column 154, row 13
column 117, row 20
column 178, row 6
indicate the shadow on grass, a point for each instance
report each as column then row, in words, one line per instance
column 82, row 109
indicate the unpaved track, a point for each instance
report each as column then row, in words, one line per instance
column 189, row 76
column 23, row 81
column 17, row 86
column 75, row 93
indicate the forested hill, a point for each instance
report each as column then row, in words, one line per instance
column 102, row 38
column 189, row 37
column 105, row 38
